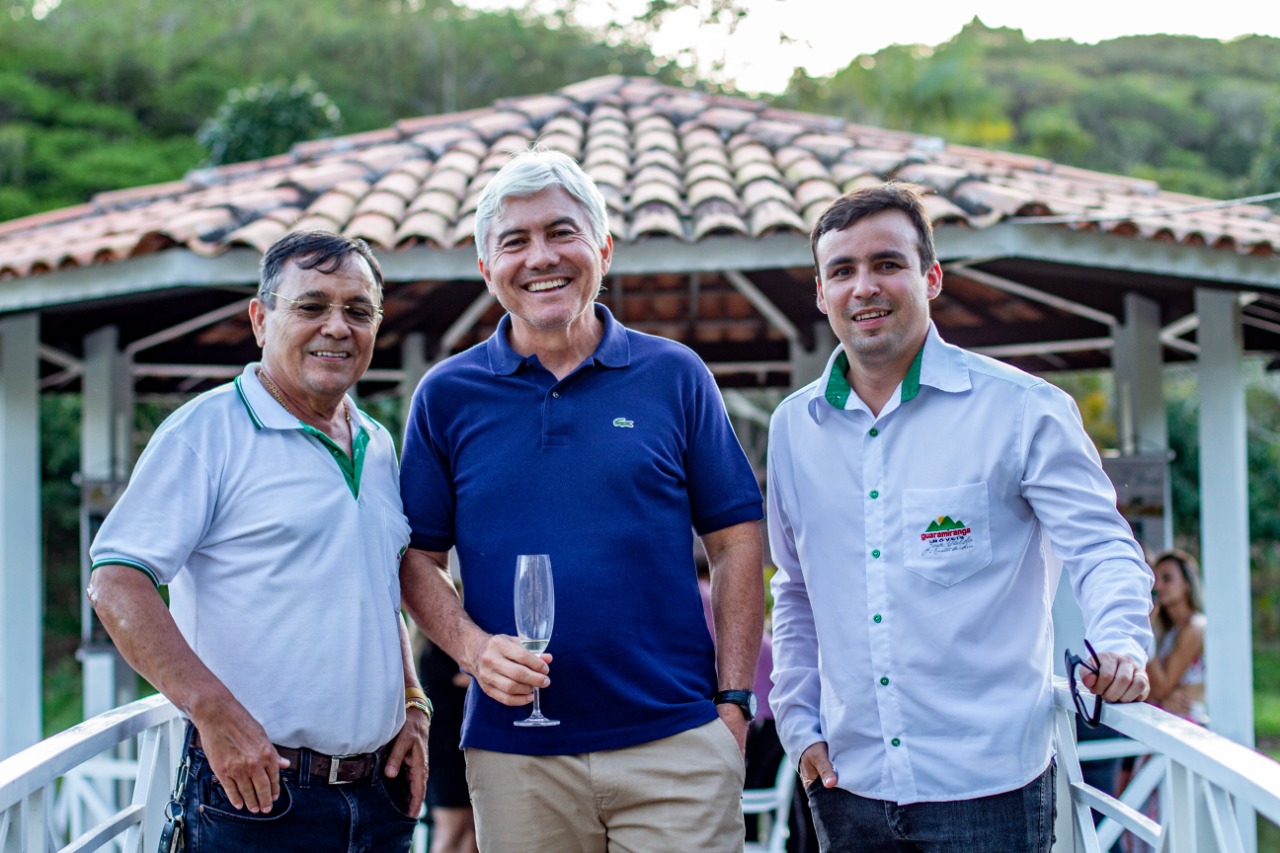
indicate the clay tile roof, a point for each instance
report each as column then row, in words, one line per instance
column 658, row 219
column 714, row 188
column 670, row 162
column 717, row 217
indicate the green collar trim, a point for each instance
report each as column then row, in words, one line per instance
column 257, row 422
column 838, row 390
column 351, row 466
column 911, row 382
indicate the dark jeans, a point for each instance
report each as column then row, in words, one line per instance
column 309, row 817
column 1018, row 821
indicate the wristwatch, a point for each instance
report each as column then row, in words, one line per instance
column 744, row 699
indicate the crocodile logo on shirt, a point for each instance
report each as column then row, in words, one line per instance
column 945, row 535
column 623, row 422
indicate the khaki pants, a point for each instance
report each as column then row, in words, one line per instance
column 680, row 794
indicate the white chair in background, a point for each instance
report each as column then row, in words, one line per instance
column 774, row 804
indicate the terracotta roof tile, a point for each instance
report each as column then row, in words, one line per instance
column 444, row 204
column 758, row 171
column 717, row 217
column 388, row 204
column 710, row 188
column 668, row 161
column 816, row 192
column 707, row 155
column 663, row 174
column 424, row 226
column 259, row 234
column 773, row 215
column 400, row 182
column 757, row 192
column 656, row 191
column 657, row 219
column 374, row 228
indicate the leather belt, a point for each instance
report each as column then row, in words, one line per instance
column 332, row 769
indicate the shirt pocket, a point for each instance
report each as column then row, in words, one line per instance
column 946, row 532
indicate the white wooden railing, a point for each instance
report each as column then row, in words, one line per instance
column 1208, row 789
column 73, row 794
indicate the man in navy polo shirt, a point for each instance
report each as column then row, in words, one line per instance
column 566, row 434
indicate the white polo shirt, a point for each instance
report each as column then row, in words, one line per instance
column 912, row 627
column 283, row 569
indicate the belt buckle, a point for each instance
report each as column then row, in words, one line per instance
column 334, row 762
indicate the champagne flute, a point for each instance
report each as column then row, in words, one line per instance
column 535, row 601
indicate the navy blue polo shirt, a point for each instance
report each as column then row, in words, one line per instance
column 609, row 471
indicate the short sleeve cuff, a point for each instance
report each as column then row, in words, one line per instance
column 133, row 564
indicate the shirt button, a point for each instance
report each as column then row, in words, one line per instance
column 876, row 553
column 874, row 432
column 874, row 494
column 877, row 618
column 555, row 394
column 896, row 742
column 884, row 682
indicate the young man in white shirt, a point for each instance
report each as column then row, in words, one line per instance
column 908, row 490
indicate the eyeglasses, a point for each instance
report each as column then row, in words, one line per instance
column 1090, row 719
column 315, row 311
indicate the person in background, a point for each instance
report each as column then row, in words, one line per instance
column 1176, row 670
column 453, row 828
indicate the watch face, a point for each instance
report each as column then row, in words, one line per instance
column 753, row 704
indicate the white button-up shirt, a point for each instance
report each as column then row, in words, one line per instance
column 911, row 621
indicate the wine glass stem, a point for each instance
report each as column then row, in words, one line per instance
column 537, row 704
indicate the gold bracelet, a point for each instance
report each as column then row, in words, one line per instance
column 423, row 705
column 414, row 693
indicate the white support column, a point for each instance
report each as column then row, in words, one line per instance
column 106, row 458
column 1224, row 524
column 21, row 569
column 806, row 365
column 1142, row 426
column 413, row 366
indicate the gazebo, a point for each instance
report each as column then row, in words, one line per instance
column 1050, row 267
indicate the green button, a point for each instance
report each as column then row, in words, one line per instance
column 884, row 682
column 874, row 494
column 876, row 619
column 876, row 553
column 896, row 742
column 874, row 432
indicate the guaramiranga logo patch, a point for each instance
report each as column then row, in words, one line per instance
column 944, row 535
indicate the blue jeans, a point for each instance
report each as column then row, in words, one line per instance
column 309, row 817
column 1019, row 821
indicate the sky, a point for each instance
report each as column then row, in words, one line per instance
column 825, row 35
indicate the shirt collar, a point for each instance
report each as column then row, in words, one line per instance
column 938, row 364
column 614, row 350
column 265, row 410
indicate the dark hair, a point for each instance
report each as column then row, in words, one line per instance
column 868, row 201
column 312, row 250
column 1191, row 574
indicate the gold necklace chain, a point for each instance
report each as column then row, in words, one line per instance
column 275, row 392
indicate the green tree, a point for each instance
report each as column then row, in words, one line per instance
column 261, row 120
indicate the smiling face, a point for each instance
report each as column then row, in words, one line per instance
column 317, row 362
column 543, row 265
column 874, row 292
